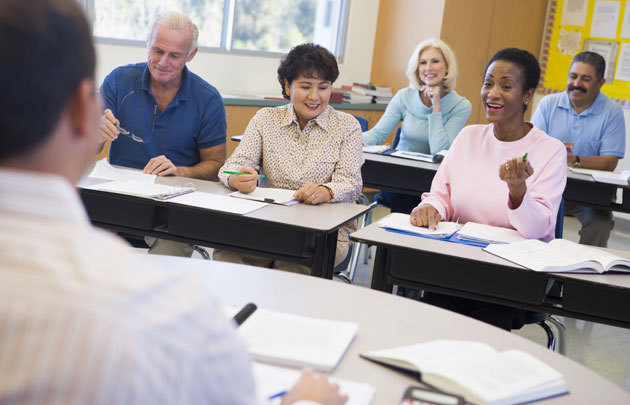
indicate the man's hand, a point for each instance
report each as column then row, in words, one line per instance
column 108, row 128
column 161, row 166
column 312, row 194
column 314, row 387
column 245, row 183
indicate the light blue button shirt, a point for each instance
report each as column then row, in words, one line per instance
column 598, row 130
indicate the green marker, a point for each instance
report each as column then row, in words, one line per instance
column 524, row 157
column 262, row 176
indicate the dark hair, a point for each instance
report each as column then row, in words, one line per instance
column 47, row 49
column 526, row 61
column 308, row 60
column 594, row 59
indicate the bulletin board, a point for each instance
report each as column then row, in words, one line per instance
column 573, row 26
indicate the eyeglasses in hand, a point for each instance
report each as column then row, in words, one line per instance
column 133, row 136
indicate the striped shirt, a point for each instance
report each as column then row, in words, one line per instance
column 83, row 319
column 328, row 151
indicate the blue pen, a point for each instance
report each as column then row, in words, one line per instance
column 278, row 395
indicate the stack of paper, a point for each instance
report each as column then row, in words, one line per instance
column 296, row 341
column 602, row 176
column 103, row 170
column 489, row 234
column 141, row 189
column 400, row 222
column 376, row 148
column 269, row 195
column 271, row 380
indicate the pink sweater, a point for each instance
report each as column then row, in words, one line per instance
column 467, row 185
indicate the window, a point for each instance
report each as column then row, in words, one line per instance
column 242, row 26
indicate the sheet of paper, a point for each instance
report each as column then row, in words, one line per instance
column 574, row 12
column 103, row 170
column 218, row 202
column 137, row 188
column 401, row 222
column 423, row 157
column 605, row 19
column 608, row 51
column 271, row 195
column 489, row 233
column 620, row 179
column 271, row 380
column 625, row 25
column 376, row 148
column 623, row 65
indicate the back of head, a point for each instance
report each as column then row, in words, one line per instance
column 47, row 51
column 177, row 21
column 309, row 60
column 523, row 58
column 594, row 59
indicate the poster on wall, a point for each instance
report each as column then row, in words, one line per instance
column 574, row 12
column 605, row 19
column 608, row 50
column 625, row 24
column 623, row 66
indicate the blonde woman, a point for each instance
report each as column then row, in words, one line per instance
column 432, row 113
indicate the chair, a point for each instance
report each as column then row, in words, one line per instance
column 363, row 122
column 540, row 318
column 347, row 268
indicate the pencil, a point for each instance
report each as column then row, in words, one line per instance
column 525, row 157
column 262, row 176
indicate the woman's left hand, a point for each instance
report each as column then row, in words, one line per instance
column 312, row 194
column 514, row 172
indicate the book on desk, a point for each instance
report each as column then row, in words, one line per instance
column 475, row 371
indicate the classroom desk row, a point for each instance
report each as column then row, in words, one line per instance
column 385, row 321
column 300, row 233
column 469, row 272
column 412, row 177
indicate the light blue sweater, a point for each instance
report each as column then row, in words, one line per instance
column 422, row 130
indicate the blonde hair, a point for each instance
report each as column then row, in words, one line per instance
column 175, row 20
column 449, row 80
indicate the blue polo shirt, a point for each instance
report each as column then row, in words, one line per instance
column 598, row 130
column 194, row 119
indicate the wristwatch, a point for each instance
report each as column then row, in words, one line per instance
column 577, row 162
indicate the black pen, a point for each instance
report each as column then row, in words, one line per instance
column 244, row 313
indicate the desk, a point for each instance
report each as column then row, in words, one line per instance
column 301, row 233
column 385, row 321
column 408, row 176
column 467, row 271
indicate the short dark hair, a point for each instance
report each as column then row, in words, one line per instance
column 594, row 59
column 47, row 50
column 524, row 59
column 308, row 60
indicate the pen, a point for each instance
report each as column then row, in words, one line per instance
column 525, row 157
column 244, row 313
column 262, row 176
column 278, row 395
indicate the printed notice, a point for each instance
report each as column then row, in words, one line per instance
column 608, row 51
column 574, row 12
column 625, row 24
column 605, row 19
column 623, row 66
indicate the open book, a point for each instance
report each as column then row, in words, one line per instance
column 269, row 195
column 602, row 176
column 476, row 371
column 294, row 340
column 560, row 255
column 400, row 222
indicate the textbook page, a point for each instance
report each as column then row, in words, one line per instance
column 296, row 341
column 269, row 195
column 477, row 371
column 401, row 222
column 217, row 202
column 489, row 234
column 103, row 170
column 271, row 380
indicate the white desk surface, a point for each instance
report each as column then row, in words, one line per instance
column 377, row 235
column 321, row 217
column 385, row 321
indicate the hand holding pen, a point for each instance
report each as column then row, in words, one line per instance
column 314, row 387
column 514, row 172
column 245, row 180
column 571, row 158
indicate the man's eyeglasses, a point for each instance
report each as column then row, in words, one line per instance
column 131, row 135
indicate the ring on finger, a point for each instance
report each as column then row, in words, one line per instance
column 507, row 166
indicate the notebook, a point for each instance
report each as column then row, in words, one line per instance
column 488, row 233
column 400, row 222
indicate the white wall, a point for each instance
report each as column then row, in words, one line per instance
column 256, row 75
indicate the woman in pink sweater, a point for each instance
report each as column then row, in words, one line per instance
column 507, row 173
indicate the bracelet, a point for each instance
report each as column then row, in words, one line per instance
column 577, row 161
column 332, row 195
